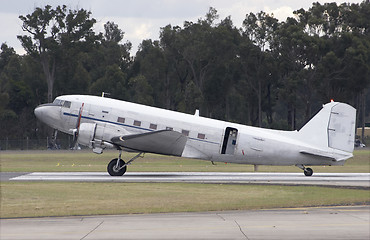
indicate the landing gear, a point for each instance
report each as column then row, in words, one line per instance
column 117, row 167
column 307, row 171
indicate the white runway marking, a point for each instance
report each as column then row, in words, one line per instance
column 337, row 179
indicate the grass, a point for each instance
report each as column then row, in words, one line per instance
column 59, row 161
column 34, row 199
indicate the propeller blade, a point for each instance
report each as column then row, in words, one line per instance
column 77, row 129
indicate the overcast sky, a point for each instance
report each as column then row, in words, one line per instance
column 142, row 19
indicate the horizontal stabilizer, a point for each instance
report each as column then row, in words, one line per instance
column 318, row 154
column 328, row 155
column 165, row 142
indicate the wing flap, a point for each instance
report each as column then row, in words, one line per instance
column 165, row 142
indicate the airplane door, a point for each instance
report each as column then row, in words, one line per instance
column 229, row 143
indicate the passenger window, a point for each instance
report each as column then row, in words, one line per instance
column 121, row 120
column 185, row 132
column 153, row 126
column 137, row 123
column 201, row 136
column 67, row 104
column 169, row 128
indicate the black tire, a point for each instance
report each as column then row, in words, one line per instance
column 111, row 168
column 308, row 172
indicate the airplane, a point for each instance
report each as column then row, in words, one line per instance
column 103, row 123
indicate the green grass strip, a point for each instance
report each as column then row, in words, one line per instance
column 35, row 199
column 86, row 161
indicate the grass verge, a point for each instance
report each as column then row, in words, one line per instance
column 35, row 199
column 59, row 161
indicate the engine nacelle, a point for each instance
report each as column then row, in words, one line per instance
column 94, row 136
column 86, row 134
column 98, row 137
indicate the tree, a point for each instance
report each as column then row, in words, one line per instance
column 152, row 63
column 108, row 58
column 141, row 90
column 259, row 29
column 289, row 45
column 50, row 29
column 113, row 82
column 285, row 70
column 114, row 51
column 219, row 85
column 194, row 45
column 178, row 71
column 7, row 56
column 112, row 32
column 16, row 96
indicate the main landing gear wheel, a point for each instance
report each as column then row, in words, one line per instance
column 308, row 171
column 115, row 169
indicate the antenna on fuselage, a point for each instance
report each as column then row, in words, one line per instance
column 103, row 94
column 196, row 112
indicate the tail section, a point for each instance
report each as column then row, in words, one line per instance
column 333, row 126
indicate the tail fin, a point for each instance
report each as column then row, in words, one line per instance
column 333, row 126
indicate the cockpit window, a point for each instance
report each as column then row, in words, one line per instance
column 67, row 104
column 58, row 102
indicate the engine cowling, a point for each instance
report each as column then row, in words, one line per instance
column 86, row 134
column 98, row 137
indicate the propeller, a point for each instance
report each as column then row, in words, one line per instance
column 77, row 129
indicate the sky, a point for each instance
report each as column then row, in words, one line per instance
column 142, row 19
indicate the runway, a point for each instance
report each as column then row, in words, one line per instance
column 298, row 223
column 324, row 179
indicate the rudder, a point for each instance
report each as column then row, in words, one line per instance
column 341, row 128
column 333, row 126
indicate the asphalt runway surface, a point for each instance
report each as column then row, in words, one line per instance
column 298, row 223
column 322, row 179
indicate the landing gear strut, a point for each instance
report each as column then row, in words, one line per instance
column 117, row 167
column 307, row 171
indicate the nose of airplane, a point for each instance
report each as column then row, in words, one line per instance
column 39, row 112
column 49, row 114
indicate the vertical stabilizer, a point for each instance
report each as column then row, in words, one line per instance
column 333, row 126
column 342, row 127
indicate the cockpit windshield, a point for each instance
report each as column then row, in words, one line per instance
column 67, row 104
column 58, row 102
column 62, row 103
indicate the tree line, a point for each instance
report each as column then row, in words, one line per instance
column 267, row 73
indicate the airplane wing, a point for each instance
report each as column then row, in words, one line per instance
column 165, row 142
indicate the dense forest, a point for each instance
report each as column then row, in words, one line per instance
column 267, row 73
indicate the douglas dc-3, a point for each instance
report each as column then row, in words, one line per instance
column 101, row 123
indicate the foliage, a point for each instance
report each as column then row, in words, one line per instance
column 267, row 73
